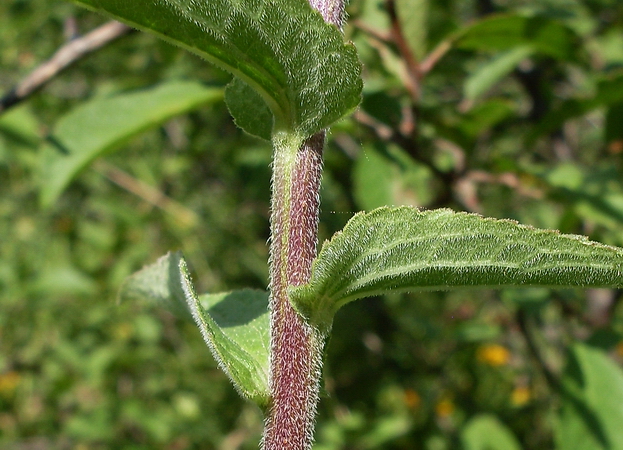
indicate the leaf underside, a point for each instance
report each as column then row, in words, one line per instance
column 404, row 249
column 283, row 49
column 234, row 325
column 249, row 109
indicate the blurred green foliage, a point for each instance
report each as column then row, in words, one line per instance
column 527, row 127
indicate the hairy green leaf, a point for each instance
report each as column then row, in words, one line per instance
column 235, row 325
column 157, row 284
column 404, row 249
column 591, row 413
column 102, row 125
column 281, row 48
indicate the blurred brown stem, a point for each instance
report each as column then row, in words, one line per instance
column 147, row 193
column 524, row 326
column 63, row 58
column 414, row 72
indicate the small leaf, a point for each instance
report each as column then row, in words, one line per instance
column 235, row 325
column 592, row 411
column 486, row 432
column 248, row 109
column 240, row 347
column 283, row 49
column 102, row 125
column 404, row 249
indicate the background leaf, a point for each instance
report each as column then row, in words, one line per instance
column 102, row 125
column 388, row 176
column 489, row 74
column 614, row 127
column 504, row 32
column 592, row 410
column 609, row 91
column 372, row 179
column 485, row 432
column 404, row 249
column 282, row 48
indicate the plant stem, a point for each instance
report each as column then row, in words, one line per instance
column 332, row 11
column 296, row 348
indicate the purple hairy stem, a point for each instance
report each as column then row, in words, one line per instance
column 332, row 10
column 296, row 347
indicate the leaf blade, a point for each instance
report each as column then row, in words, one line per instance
column 404, row 249
column 283, row 49
column 247, row 370
column 234, row 325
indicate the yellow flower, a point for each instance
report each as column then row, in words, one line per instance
column 444, row 408
column 521, row 395
column 494, row 355
column 412, row 399
column 8, row 382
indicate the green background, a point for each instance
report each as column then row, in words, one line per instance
column 527, row 126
